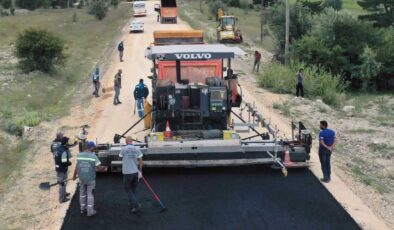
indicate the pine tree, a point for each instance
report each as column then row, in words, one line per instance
column 369, row 68
column 381, row 12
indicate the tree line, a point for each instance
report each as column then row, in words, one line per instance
column 358, row 48
column 35, row 4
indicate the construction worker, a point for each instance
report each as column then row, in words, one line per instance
column 219, row 14
column 57, row 142
column 257, row 59
column 131, row 168
column 300, row 83
column 239, row 36
column 117, row 86
column 158, row 15
column 141, row 92
column 121, row 49
column 328, row 140
column 96, row 81
column 62, row 162
column 87, row 164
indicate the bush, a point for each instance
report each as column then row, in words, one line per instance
column 312, row 50
column 115, row 3
column 3, row 12
column 335, row 4
column 244, row 4
column 40, row 50
column 27, row 4
column 13, row 128
column 277, row 77
column 317, row 82
column 45, row 4
column 6, row 3
column 315, row 7
column 98, row 9
column 385, row 55
column 368, row 69
column 214, row 6
column 234, row 3
column 30, row 119
column 300, row 25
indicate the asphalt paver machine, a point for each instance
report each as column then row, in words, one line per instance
column 196, row 107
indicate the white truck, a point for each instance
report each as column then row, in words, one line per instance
column 139, row 9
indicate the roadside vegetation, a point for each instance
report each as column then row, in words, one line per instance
column 318, row 83
column 30, row 96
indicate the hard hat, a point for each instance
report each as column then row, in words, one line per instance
column 90, row 144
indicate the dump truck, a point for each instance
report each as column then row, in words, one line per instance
column 227, row 30
column 139, row 9
column 168, row 12
column 197, row 105
column 178, row 37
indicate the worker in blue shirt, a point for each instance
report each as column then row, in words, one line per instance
column 328, row 140
column 141, row 92
column 96, row 81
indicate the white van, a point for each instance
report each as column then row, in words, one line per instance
column 139, row 8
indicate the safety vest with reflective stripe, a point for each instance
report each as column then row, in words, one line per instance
column 86, row 166
column 62, row 160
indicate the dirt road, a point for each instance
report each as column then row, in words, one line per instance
column 43, row 211
column 134, row 67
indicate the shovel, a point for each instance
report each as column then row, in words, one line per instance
column 47, row 185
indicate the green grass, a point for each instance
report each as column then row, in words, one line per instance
column 10, row 157
column 248, row 22
column 382, row 149
column 352, row 6
column 382, row 103
column 369, row 180
column 44, row 95
column 30, row 99
column 363, row 131
column 285, row 108
column 317, row 83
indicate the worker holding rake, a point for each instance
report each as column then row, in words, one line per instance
column 132, row 167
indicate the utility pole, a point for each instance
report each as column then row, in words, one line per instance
column 287, row 33
column 201, row 6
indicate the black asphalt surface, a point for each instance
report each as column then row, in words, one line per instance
column 218, row 198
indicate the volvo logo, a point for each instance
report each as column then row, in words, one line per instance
column 193, row 56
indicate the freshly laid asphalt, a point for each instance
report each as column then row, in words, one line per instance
column 218, row 198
